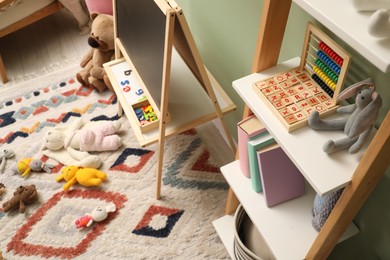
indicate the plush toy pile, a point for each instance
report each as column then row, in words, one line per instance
column 69, row 145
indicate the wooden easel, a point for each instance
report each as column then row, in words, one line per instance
column 177, row 34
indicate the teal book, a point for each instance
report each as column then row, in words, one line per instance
column 255, row 144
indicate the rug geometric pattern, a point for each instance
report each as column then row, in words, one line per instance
column 179, row 172
column 150, row 226
column 47, row 215
column 179, row 226
column 141, row 157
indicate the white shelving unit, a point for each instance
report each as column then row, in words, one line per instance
column 325, row 173
column 348, row 24
column 226, row 233
column 286, row 228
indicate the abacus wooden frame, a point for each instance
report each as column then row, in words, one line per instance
column 311, row 29
column 304, row 66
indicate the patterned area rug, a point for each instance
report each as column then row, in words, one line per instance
column 179, row 226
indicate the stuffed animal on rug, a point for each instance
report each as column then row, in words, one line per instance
column 70, row 145
column 358, row 125
column 83, row 176
column 26, row 165
column 98, row 214
column 23, row 196
column 4, row 155
column 2, row 190
column 101, row 51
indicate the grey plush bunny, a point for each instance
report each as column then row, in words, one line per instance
column 4, row 155
column 358, row 125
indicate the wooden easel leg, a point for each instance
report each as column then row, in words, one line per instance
column 160, row 163
column 3, row 72
column 164, row 97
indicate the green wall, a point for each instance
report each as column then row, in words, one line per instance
column 225, row 32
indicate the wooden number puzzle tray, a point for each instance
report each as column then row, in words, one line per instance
column 313, row 86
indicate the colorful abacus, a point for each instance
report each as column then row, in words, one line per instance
column 313, row 86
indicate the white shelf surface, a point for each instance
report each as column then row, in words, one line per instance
column 286, row 227
column 346, row 22
column 225, row 229
column 325, row 172
column 189, row 104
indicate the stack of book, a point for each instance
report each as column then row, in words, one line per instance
column 263, row 161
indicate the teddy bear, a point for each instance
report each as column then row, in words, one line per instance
column 24, row 195
column 98, row 214
column 70, row 144
column 83, row 176
column 358, row 125
column 102, row 48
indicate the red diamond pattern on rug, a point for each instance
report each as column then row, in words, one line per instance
column 34, row 238
column 203, row 164
column 149, row 225
column 122, row 163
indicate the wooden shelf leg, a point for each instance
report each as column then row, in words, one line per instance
column 231, row 202
column 369, row 171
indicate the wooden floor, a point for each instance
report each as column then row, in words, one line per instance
column 43, row 47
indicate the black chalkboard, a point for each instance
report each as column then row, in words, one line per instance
column 141, row 29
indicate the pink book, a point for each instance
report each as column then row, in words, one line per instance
column 281, row 179
column 247, row 129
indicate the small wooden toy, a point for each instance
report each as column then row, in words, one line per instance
column 145, row 114
column 313, row 86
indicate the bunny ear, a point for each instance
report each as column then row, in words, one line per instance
column 353, row 89
column 111, row 208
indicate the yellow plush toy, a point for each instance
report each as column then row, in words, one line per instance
column 83, row 176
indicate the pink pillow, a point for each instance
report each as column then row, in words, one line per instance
column 99, row 6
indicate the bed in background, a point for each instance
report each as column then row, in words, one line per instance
column 16, row 14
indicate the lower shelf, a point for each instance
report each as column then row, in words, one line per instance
column 286, row 227
column 225, row 229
